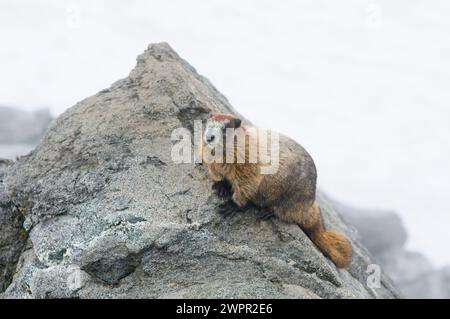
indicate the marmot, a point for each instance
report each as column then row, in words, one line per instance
column 289, row 193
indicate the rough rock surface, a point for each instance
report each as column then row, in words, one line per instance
column 109, row 214
column 12, row 236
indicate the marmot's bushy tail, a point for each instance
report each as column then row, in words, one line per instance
column 333, row 244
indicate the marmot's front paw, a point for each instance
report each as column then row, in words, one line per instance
column 223, row 189
column 265, row 213
column 229, row 208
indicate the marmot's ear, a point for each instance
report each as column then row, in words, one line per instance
column 237, row 122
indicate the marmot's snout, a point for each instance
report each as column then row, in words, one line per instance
column 209, row 137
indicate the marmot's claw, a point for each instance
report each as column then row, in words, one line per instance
column 265, row 214
column 223, row 189
column 228, row 209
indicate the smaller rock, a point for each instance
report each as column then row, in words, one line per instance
column 58, row 282
column 110, row 264
column 385, row 236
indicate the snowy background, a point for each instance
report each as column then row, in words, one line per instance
column 363, row 85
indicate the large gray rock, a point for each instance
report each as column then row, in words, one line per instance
column 109, row 214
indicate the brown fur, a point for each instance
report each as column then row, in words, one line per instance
column 290, row 192
column 333, row 244
column 232, row 121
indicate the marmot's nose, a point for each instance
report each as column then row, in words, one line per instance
column 210, row 138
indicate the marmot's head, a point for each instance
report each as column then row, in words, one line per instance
column 216, row 127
